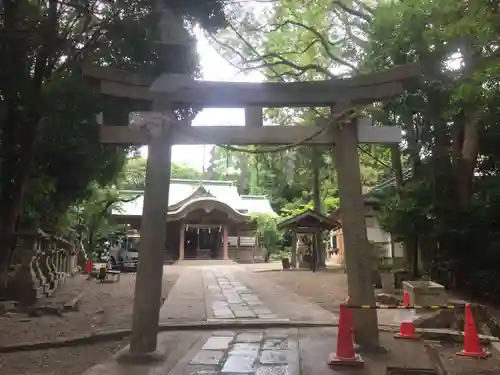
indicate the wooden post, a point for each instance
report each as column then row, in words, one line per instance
column 225, row 242
column 153, row 235
column 294, row 248
column 356, row 246
column 182, row 241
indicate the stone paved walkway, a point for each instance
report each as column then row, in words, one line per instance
column 231, row 299
column 292, row 351
column 229, row 293
column 263, row 353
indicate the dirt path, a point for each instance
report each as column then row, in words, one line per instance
column 326, row 288
column 103, row 306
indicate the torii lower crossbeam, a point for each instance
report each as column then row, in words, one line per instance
column 243, row 135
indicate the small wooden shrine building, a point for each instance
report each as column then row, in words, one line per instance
column 304, row 228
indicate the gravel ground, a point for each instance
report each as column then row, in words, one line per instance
column 103, row 306
column 326, row 288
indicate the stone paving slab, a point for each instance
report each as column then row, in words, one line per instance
column 264, row 352
column 227, row 298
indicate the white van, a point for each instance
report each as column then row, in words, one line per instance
column 125, row 254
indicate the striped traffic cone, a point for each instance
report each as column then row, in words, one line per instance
column 407, row 327
column 345, row 354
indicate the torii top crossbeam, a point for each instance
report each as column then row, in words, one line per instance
column 182, row 91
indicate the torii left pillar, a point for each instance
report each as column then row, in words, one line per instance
column 147, row 301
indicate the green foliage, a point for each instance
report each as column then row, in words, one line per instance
column 50, row 155
column 295, row 40
column 268, row 234
column 446, row 207
column 90, row 217
column 69, row 135
column 133, row 174
column 450, row 119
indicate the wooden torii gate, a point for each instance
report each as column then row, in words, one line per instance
column 157, row 97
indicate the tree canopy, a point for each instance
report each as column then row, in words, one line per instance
column 441, row 203
column 50, row 156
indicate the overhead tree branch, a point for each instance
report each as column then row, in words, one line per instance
column 350, row 11
column 368, row 9
column 282, row 60
column 322, row 39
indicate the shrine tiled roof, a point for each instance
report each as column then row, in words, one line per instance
column 182, row 190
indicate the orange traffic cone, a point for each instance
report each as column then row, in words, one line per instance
column 472, row 346
column 345, row 355
column 407, row 327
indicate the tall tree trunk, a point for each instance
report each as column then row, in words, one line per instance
column 22, row 100
column 411, row 241
column 470, row 146
column 469, row 154
column 16, row 153
column 317, row 246
column 397, row 165
column 244, row 174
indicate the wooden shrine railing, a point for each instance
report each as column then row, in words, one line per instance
column 41, row 263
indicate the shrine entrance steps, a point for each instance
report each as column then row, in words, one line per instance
column 204, row 262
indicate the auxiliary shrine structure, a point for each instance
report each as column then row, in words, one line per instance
column 206, row 220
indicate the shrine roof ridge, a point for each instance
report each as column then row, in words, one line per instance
column 197, row 181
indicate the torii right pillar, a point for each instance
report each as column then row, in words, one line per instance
column 357, row 248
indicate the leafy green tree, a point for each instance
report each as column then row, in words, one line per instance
column 133, row 174
column 451, row 123
column 266, row 228
column 90, row 217
column 41, row 46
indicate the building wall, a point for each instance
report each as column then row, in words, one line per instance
column 375, row 234
column 243, row 245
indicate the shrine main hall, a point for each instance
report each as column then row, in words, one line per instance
column 206, row 220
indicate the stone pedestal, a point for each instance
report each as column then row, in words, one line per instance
column 425, row 293
column 25, row 286
column 41, row 264
column 62, row 264
column 72, row 267
column 49, row 262
column 40, row 271
column 387, row 280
